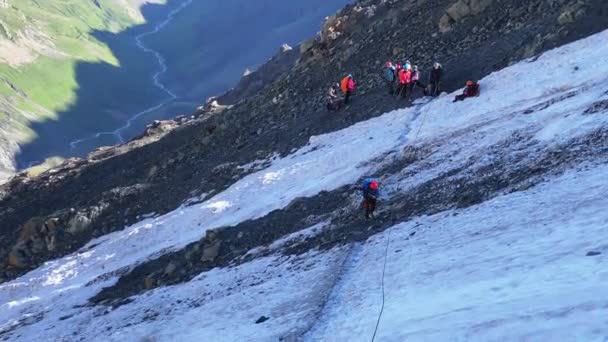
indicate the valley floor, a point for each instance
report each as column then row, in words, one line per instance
column 525, row 264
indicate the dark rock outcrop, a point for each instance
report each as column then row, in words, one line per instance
column 253, row 82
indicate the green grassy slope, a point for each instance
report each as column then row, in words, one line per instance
column 83, row 72
column 67, row 24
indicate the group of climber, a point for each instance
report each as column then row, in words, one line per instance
column 404, row 78
column 347, row 86
column 408, row 77
column 401, row 79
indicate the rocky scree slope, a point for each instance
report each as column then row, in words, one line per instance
column 58, row 212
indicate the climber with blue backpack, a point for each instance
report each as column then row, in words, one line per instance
column 390, row 75
column 370, row 192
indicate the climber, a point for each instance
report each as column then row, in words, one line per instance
column 405, row 77
column 348, row 86
column 471, row 90
column 334, row 103
column 435, row 80
column 416, row 80
column 370, row 191
column 390, row 76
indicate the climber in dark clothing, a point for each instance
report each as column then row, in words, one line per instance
column 369, row 190
column 471, row 90
column 435, row 80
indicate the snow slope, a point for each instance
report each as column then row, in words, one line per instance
column 512, row 268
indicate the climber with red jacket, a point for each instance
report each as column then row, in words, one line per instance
column 348, row 86
column 370, row 191
column 471, row 90
column 405, row 78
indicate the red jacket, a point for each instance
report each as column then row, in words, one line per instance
column 405, row 76
column 471, row 91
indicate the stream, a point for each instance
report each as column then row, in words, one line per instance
column 118, row 133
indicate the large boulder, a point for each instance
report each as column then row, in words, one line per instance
column 460, row 10
column 18, row 259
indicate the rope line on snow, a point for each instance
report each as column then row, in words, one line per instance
column 420, row 127
column 388, row 242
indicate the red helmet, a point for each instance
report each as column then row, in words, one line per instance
column 470, row 83
column 373, row 185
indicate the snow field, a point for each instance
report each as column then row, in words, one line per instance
column 510, row 269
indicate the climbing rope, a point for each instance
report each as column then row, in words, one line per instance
column 388, row 242
column 420, row 127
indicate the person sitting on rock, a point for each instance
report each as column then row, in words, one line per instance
column 370, row 192
column 435, row 76
column 334, row 103
column 348, row 86
column 471, row 90
column 416, row 80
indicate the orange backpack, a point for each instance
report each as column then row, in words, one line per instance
column 344, row 84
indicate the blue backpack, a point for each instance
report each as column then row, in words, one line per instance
column 390, row 74
column 365, row 186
